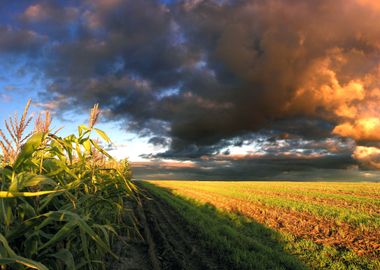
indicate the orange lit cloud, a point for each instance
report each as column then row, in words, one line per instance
column 353, row 103
column 369, row 156
column 367, row 129
column 374, row 4
column 322, row 90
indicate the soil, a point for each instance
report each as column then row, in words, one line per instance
column 166, row 242
column 133, row 256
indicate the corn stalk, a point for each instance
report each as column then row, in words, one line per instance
column 61, row 198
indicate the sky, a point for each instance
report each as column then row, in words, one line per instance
column 206, row 89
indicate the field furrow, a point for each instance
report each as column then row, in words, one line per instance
column 345, row 224
column 320, row 241
column 300, row 224
column 357, row 217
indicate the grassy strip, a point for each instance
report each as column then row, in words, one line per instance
column 244, row 244
column 329, row 190
column 369, row 190
column 333, row 187
column 310, row 193
column 367, row 207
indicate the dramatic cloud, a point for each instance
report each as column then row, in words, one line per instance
column 368, row 156
column 202, row 77
column 264, row 168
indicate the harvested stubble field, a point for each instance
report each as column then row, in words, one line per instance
column 279, row 225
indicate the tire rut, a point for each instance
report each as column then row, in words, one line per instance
column 176, row 246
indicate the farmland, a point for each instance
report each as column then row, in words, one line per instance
column 279, row 225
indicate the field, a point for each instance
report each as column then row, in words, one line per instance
column 271, row 225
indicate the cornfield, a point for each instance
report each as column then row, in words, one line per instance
column 62, row 199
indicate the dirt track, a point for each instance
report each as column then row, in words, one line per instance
column 165, row 241
column 172, row 245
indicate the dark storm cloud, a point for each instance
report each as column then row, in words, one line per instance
column 198, row 75
column 159, row 141
column 305, row 127
column 340, row 167
column 122, row 39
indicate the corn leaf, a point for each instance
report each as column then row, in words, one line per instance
column 103, row 135
column 87, row 145
column 9, row 194
column 100, row 149
column 24, row 261
column 28, row 180
column 84, row 226
column 14, row 258
column 66, row 257
column 62, row 233
column 28, row 149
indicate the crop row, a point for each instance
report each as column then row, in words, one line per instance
column 364, row 205
column 358, row 192
column 304, row 225
column 351, row 190
column 62, row 199
column 365, row 216
column 332, row 227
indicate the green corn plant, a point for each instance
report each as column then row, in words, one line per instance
column 62, row 199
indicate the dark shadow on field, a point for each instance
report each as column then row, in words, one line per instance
column 203, row 237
